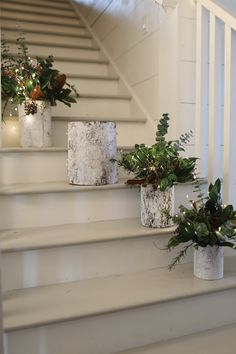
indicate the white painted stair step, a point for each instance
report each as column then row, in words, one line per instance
column 62, row 253
column 95, row 105
column 44, row 27
column 49, row 39
column 82, row 66
column 50, row 255
column 45, row 3
column 27, row 10
column 131, row 310
column 44, row 164
column 42, row 17
column 215, row 341
column 36, row 9
column 69, row 51
column 103, row 85
column 44, row 204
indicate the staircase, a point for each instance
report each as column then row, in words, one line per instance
column 80, row 275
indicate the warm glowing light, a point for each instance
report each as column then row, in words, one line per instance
column 11, row 132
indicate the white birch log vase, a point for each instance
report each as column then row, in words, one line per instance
column 91, row 147
column 157, row 207
column 35, row 129
column 209, row 262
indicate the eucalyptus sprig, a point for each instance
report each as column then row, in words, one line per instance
column 207, row 222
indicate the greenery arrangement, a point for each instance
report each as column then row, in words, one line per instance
column 25, row 80
column 207, row 222
column 160, row 164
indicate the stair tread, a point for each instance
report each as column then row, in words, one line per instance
column 54, row 187
column 34, row 238
column 68, row 301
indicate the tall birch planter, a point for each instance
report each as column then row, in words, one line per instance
column 35, row 129
column 157, row 207
column 209, row 262
column 91, row 148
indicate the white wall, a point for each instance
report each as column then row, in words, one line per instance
column 142, row 39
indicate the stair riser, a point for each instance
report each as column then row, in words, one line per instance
column 44, row 3
column 43, row 167
column 97, row 87
column 81, row 68
column 67, row 207
column 201, row 342
column 40, row 9
column 46, row 38
column 59, row 132
column 33, row 17
column 63, row 264
column 129, row 328
column 43, row 209
column 44, row 28
column 72, row 53
column 94, row 107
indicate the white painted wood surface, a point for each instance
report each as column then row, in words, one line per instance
column 131, row 309
column 221, row 125
column 228, row 143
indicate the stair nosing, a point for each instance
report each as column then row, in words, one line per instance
column 43, row 22
column 78, row 300
column 55, row 187
column 48, row 149
column 28, row 12
column 90, row 233
column 93, row 77
column 104, row 96
column 26, row 150
column 100, row 119
column 59, row 45
column 75, row 60
column 65, row 187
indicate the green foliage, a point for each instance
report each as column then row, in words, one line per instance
column 24, row 79
column 160, row 164
column 207, row 222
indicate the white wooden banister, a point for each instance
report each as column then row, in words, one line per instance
column 216, row 26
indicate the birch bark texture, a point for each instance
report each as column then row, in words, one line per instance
column 156, row 206
column 209, row 262
column 35, row 129
column 91, row 148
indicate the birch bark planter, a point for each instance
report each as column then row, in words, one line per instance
column 91, row 146
column 156, row 206
column 209, row 262
column 35, row 129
